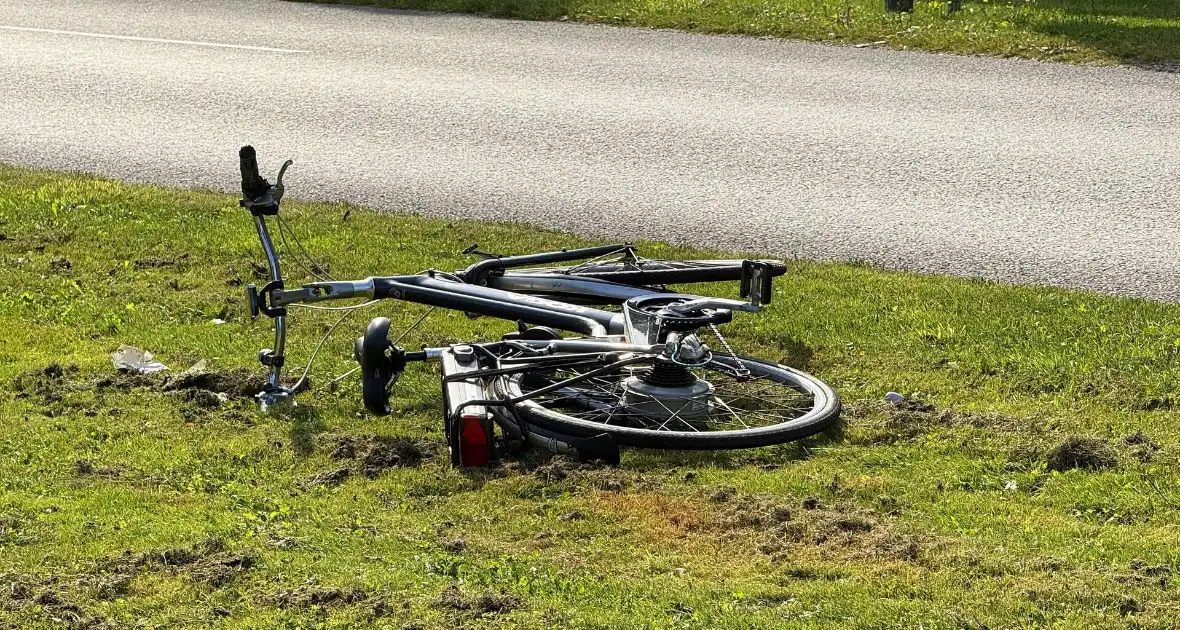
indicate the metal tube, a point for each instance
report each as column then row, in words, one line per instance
column 276, row 275
column 498, row 303
column 484, row 266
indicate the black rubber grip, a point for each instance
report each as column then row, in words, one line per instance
column 253, row 185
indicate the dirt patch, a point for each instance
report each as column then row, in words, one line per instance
column 87, row 468
column 487, row 603
column 220, row 568
column 326, row 479
column 1139, row 438
column 753, row 512
column 235, row 383
column 1143, row 448
column 157, row 263
column 203, row 398
column 124, row 381
column 308, row 596
column 1080, row 451
column 562, row 469
column 49, row 601
column 377, row 453
column 60, row 265
column 208, row 562
column 886, row 423
column 1145, row 573
column 851, row 530
column 48, row 385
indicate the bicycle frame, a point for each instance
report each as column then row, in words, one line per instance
column 534, row 296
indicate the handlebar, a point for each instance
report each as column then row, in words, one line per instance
column 258, row 196
column 261, row 199
column 253, row 184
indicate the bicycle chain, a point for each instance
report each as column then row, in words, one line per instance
column 740, row 367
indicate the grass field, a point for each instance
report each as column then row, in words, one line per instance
column 1036, row 488
column 1100, row 31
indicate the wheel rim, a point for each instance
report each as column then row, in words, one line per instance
column 765, row 402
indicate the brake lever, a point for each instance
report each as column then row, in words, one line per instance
column 279, row 187
column 474, row 250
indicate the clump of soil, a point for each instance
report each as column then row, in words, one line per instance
column 60, row 265
column 327, row 478
column 377, row 453
column 488, row 603
column 208, row 562
column 457, row 545
column 124, row 381
column 220, row 568
column 560, row 468
column 307, row 596
column 1080, row 451
column 49, row 601
column 1143, row 572
column 48, row 384
column 203, row 398
column 235, row 383
column 54, row 608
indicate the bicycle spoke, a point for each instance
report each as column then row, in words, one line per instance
column 734, row 403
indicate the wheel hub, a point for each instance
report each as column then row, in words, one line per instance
column 667, row 392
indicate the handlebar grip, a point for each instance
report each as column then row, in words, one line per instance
column 253, row 185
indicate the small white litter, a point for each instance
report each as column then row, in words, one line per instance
column 135, row 360
column 894, row 397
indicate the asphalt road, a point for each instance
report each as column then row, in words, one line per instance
column 1017, row 171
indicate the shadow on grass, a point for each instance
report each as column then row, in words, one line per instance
column 1143, row 46
column 305, row 425
column 767, row 458
column 1151, row 9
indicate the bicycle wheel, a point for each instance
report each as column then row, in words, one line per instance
column 654, row 404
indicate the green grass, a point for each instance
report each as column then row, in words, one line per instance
column 1097, row 31
column 130, row 506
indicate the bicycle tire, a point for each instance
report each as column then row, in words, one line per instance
column 823, row 413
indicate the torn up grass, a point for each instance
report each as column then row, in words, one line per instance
column 1030, row 482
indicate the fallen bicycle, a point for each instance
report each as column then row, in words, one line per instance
column 640, row 376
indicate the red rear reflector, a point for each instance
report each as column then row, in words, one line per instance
column 474, row 442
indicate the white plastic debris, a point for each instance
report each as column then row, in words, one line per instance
column 218, row 321
column 894, row 397
column 135, row 360
column 1010, row 485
